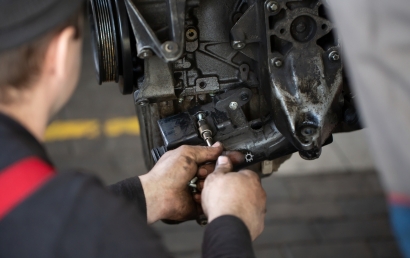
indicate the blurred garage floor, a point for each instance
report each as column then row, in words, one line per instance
column 332, row 207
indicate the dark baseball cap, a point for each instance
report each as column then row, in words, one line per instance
column 22, row 21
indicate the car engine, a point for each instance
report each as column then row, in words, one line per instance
column 265, row 78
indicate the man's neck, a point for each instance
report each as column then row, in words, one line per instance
column 30, row 111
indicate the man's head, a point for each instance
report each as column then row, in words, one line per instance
column 43, row 66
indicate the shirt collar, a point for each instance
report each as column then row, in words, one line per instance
column 17, row 143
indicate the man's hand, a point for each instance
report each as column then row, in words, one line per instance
column 166, row 186
column 238, row 194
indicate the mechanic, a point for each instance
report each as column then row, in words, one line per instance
column 47, row 214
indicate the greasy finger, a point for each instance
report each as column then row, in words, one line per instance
column 197, row 198
column 205, row 154
column 200, row 185
column 236, row 157
column 205, row 170
column 223, row 165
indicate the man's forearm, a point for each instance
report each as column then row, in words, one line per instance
column 227, row 236
column 131, row 189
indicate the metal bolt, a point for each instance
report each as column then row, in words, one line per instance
column 142, row 102
column 200, row 116
column 245, row 97
column 238, row 45
column 334, row 56
column 193, row 184
column 145, row 53
column 272, row 6
column 277, row 62
column 233, row 105
column 170, row 47
column 194, row 180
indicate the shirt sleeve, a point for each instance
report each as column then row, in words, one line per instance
column 227, row 236
column 131, row 189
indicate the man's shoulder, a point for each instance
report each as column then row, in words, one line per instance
column 72, row 210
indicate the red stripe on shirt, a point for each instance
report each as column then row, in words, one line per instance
column 20, row 180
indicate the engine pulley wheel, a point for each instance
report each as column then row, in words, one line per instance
column 303, row 28
column 104, row 40
column 125, row 39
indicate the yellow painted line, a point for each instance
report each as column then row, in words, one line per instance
column 61, row 130
column 73, row 129
column 121, row 126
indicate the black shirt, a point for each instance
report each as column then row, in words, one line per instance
column 74, row 215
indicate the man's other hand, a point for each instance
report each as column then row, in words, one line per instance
column 166, row 186
column 239, row 194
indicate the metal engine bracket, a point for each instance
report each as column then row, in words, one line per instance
column 258, row 140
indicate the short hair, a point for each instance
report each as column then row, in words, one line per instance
column 21, row 66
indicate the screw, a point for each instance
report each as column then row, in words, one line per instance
column 272, row 6
column 238, row 45
column 170, row 47
column 233, row 105
column 277, row 62
column 334, row 56
column 142, row 102
column 194, row 180
column 244, row 96
column 200, row 116
column 145, row 53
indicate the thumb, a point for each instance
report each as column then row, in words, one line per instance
column 223, row 165
column 204, row 154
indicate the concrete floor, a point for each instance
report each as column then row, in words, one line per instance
column 332, row 207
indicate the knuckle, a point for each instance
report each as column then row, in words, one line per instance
column 184, row 149
column 251, row 174
column 168, row 154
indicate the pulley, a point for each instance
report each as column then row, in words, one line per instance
column 111, row 43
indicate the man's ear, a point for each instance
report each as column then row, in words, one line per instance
column 56, row 62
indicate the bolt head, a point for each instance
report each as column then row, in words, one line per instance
column 238, row 45
column 170, row 47
column 143, row 103
column 334, row 56
column 233, row 105
column 272, row 6
column 145, row 53
column 277, row 62
column 245, row 97
column 200, row 116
